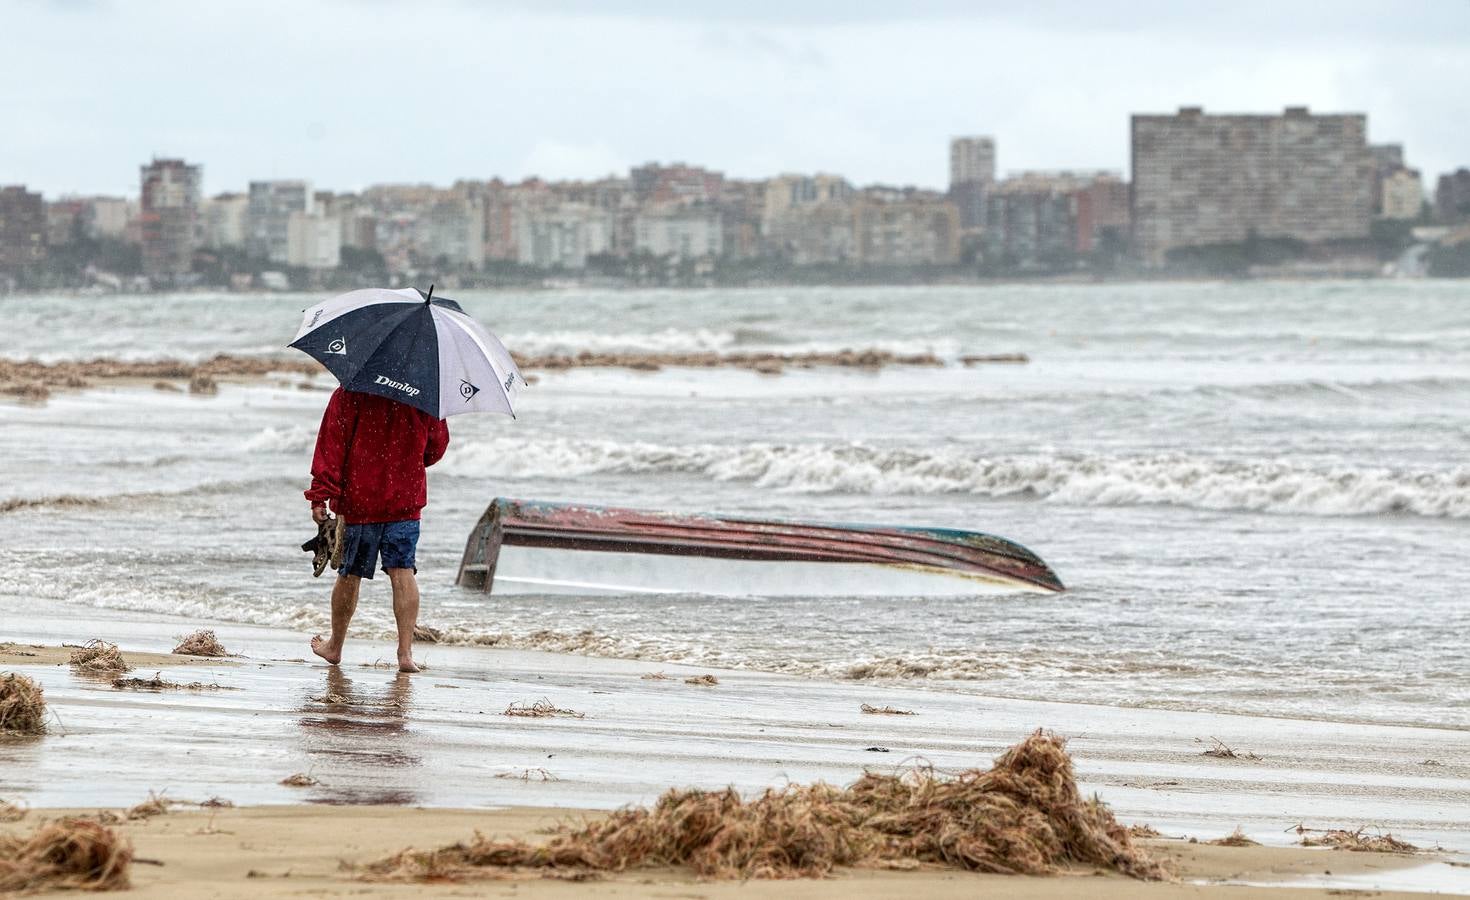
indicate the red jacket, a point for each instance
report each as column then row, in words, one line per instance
column 370, row 457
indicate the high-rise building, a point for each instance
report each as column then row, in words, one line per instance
column 971, row 176
column 808, row 218
column 1209, row 179
column 22, row 228
column 268, row 217
column 224, row 218
column 1452, row 197
column 313, row 241
column 168, row 217
column 683, row 232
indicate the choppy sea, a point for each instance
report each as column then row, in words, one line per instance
column 1258, row 493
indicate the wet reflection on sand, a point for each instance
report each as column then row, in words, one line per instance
column 360, row 734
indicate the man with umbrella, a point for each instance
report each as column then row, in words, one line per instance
column 406, row 362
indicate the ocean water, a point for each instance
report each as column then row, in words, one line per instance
column 1257, row 493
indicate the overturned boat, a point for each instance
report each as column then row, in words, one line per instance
column 534, row 547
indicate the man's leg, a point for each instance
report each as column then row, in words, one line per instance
column 344, row 604
column 406, row 613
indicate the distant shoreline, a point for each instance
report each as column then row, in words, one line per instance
column 557, row 284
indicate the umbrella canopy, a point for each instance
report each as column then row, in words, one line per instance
column 411, row 347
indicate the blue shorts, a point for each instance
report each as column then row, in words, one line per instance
column 396, row 542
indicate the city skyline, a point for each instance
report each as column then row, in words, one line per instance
column 347, row 95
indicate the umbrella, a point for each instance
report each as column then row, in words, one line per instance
column 411, row 347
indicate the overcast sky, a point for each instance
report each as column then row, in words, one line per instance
column 348, row 93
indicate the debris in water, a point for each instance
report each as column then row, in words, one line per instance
column 99, row 657
column 22, row 705
column 1023, row 816
column 203, row 384
column 541, row 709
column 68, row 854
column 655, row 676
column 201, row 643
column 704, row 680
column 537, row 774
column 427, row 635
column 300, row 779
column 887, row 711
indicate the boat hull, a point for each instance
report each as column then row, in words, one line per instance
column 522, row 546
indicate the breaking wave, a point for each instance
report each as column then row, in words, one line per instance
column 1199, row 482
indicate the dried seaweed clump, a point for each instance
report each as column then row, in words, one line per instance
column 1236, row 838
column 155, row 805
column 541, row 709
column 886, row 711
column 1220, row 750
column 69, row 854
column 703, row 680
column 99, row 657
column 13, row 812
column 300, row 779
column 22, row 705
column 1359, row 841
column 201, row 643
column 1023, row 816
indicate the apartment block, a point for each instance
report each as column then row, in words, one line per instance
column 22, row 228
column 268, row 217
column 683, row 232
column 1452, row 197
column 169, row 217
column 1210, row 179
column 971, row 175
column 906, row 228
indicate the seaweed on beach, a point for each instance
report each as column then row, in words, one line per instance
column 1359, row 841
column 157, row 683
column 155, row 805
column 886, row 711
column 22, row 705
column 1144, row 830
column 99, row 657
column 1220, row 750
column 68, row 854
column 541, row 709
column 201, row 643
column 426, row 634
column 1025, row 815
column 655, row 676
column 703, row 680
column 1236, row 838
column 13, row 812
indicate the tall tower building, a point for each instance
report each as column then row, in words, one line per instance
column 169, row 217
column 971, row 176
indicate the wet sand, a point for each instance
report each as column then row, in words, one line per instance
column 439, row 740
column 281, row 851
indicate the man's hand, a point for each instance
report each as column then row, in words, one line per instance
column 319, row 514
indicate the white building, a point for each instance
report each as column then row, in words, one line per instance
column 312, row 241
column 454, row 230
column 561, row 235
column 111, row 215
column 1403, row 195
column 684, row 232
column 224, row 219
column 268, row 217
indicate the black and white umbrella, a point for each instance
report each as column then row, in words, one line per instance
column 411, row 347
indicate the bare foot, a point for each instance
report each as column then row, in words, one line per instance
column 323, row 648
column 407, row 664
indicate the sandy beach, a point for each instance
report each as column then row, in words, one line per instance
column 427, row 760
